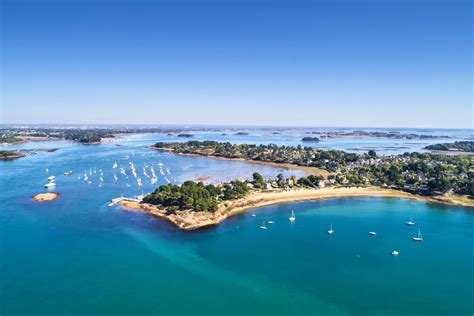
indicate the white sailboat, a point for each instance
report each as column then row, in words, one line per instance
column 330, row 231
column 418, row 237
column 263, row 226
column 410, row 222
column 115, row 165
column 292, row 218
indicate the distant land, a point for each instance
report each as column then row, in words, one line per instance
column 463, row 146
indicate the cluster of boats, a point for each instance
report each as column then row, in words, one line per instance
column 292, row 219
column 51, row 183
column 131, row 173
column 52, row 179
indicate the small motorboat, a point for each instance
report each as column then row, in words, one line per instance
column 372, row 234
column 68, row 173
column 270, row 222
column 50, row 185
column 253, row 215
column 51, row 178
column 395, row 253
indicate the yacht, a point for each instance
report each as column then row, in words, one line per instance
column 292, row 218
column 418, row 237
column 263, row 226
column 330, row 231
column 51, row 178
column 372, row 233
column 68, row 173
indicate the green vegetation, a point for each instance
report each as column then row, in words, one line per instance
column 10, row 154
column 414, row 172
column 9, row 138
column 467, row 146
column 199, row 197
column 85, row 136
column 92, row 136
column 196, row 196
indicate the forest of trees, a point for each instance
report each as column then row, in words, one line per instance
column 196, row 196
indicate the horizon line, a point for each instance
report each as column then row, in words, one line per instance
column 234, row 125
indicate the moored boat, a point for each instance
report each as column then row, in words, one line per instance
column 292, row 218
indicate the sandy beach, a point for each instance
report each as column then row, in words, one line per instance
column 190, row 220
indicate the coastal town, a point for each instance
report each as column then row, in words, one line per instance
column 418, row 173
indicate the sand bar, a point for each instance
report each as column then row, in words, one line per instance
column 46, row 197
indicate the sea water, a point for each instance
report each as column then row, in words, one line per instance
column 77, row 256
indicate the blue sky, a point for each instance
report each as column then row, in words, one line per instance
column 341, row 63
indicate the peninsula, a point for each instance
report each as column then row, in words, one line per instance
column 10, row 154
column 195, row 205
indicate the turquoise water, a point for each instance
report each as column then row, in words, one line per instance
column 76, row 256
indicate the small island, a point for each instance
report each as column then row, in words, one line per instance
column 462, row 146
column 10, row 154
column 310, row 139
column 185, row 135
column 46, row 197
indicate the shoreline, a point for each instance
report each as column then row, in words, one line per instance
column 287, row 166
column 190, row 220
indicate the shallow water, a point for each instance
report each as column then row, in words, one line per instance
column 76, row 256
